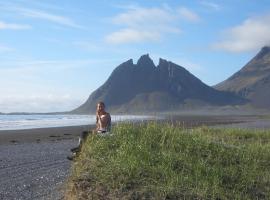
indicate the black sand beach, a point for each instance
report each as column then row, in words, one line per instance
column 33, row 162
column 41, row 134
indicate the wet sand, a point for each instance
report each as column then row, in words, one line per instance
column 33, row 162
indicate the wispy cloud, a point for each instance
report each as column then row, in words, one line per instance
column 135, row 16
column 211, row 5
column 46, row 13
column 12, row 26
column 188, row 14
column 251, row 35
column 39, row 14
column 132, row 35
column 148, row 24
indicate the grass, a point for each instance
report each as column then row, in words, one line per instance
column 264, row 116
column 162, row 161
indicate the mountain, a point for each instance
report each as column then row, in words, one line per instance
column 252, row 81
column 146, row 87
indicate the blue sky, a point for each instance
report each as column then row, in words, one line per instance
column 53, row 54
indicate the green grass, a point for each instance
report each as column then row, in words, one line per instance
column 161, row 161
column 264, row 116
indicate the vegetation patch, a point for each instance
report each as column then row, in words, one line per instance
column 162, row 161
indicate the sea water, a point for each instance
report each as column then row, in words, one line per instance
column 17, row 122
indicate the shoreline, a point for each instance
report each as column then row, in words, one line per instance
column 33, row 162
column 38, row 135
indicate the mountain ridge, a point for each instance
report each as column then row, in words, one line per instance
column 252, row 81
column 146, row 87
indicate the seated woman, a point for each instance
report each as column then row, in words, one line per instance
column 103, row 119
column 103, row 126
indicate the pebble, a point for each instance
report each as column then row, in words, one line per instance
column 34, row 170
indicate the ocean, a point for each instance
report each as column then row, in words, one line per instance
column 18, row 122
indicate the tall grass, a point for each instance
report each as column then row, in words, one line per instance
column 162, row 161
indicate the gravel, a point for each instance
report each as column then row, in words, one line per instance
column 34, row 170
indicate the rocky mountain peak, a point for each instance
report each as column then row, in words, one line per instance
column 252, row 81
column 145, row 61
column 162, row 62
column 129, row 62
column 145, row 87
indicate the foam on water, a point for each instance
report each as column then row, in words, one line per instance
column 17, row 122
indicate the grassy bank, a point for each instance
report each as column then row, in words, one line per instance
column 160, row 161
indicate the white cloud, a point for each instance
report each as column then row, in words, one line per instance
column 251, row 35
column 148, row 24
column 39, row 14
column 132, row 35
column 211, row 5
column 188, row 14
column 49, row 17
column 11, row 26
column 25, row 9
column 137, row 16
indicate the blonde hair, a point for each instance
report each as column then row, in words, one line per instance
column 99, row 103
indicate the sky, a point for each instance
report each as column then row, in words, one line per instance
column 54, row 54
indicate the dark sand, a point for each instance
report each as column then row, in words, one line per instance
column 33, row 162
column 34, row 170
column 41, row 134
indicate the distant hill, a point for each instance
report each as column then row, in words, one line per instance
column 252, row 81
column 146, row 87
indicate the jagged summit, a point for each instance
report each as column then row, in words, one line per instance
column 162, row 62
column 128, row 62
column 145, row 61
column 146, row 87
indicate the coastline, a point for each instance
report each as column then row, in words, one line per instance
column 33, row 162
column 42, row 134
column 38, row 135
